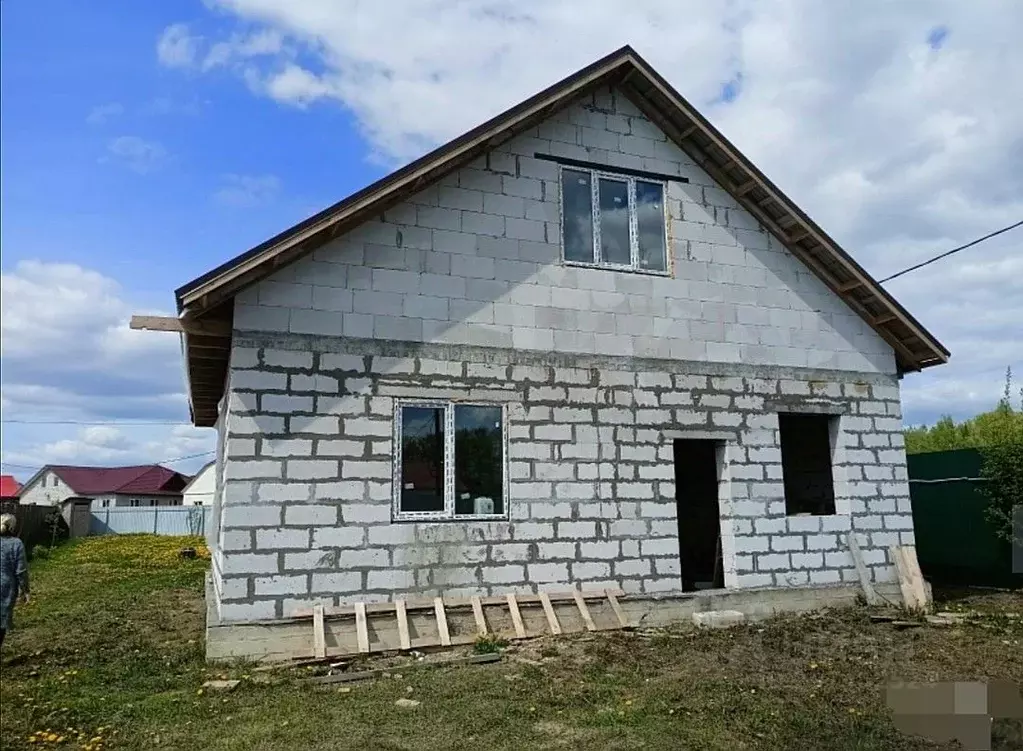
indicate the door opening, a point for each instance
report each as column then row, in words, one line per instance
column 699, row 515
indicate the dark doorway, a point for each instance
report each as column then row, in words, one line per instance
column 699, row 517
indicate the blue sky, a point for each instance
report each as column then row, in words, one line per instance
column 144, row 143
column 67, row 198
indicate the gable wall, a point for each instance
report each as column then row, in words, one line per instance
column 47, row 490
column 599, row 371
column 476, row 260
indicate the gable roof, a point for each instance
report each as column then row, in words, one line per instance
column 9, row 487
column 198, row 475
column 914, row 346
column 147, row 479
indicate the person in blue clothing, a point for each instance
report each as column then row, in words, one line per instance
column 13, row 572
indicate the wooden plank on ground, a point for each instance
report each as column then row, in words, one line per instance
column 548, row 609
column 428, row 604
column 361, row 631
column 477, row 613
column 402, row 616
column 861, row 570
column 442, row 622
column 366, row 674
column 619, row 613
column 902, row 570
column 580, row 603
column 916, row 577
column 319, row 635
column 516, row 616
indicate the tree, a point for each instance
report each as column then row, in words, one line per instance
column 1003, row 424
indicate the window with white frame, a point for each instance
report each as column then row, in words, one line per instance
column 449, row 461
column 134, row 502
column 612, row 220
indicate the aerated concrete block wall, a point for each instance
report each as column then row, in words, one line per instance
column 477, row 259
column 461, row 292
column 307, row 487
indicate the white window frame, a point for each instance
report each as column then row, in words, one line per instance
column 630, row 181
column 448, row 513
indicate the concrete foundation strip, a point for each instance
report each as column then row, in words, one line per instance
column 362, row 612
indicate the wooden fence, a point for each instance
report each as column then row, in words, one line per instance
column 34, row 527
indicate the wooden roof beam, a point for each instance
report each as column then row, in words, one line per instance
column 180, row 325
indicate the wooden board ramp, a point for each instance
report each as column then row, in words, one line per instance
column 406, row 624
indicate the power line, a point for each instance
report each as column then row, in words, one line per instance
column 161, row 461
column 950, row 252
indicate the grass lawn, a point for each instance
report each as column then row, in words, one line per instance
column 109, row 655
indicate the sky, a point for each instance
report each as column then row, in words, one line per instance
column 145, row 143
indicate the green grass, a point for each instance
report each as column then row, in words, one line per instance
column 111, row 647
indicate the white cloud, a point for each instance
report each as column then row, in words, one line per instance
column 68, row 355
column 103, row 112
column 176, row 47
column 247, row 191
column 183, row 448
column 138, row 154
column 897, row 130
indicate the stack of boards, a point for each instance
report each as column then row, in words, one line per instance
column 361, row 628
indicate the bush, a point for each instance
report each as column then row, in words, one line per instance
column 38, row 551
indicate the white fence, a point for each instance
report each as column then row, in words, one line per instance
column 154, row 520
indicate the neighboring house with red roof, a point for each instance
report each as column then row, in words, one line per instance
column 143, row 485
column 10, row 489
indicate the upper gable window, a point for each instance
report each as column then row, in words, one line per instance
column 612, row 220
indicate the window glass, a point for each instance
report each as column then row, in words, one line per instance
column 422, row 459
column 577, row 215
column 650, row 225
column 614, row 222
column 479, row 465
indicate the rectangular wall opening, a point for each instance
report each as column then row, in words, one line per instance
column 699, row 514
column 806, row 463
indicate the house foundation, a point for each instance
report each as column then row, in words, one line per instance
column 281, row 640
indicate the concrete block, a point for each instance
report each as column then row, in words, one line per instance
column 236, row 540
column 279, row 358
column 718, row 618
column 285, row 404
column 773, row 562
column 258, row 380
column 250, row 563
column 281, row 585
column 365, row 513
column 308, row 515
column 282, row 539
column 548, row 573
column 312, row 469
column 255, row 611
column 807, row 560
column 241, row 516
column 345, row 582
column 590, row 570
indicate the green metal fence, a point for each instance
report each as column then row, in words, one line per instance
column 955, row 543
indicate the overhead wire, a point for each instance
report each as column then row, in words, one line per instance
column 947, row 253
